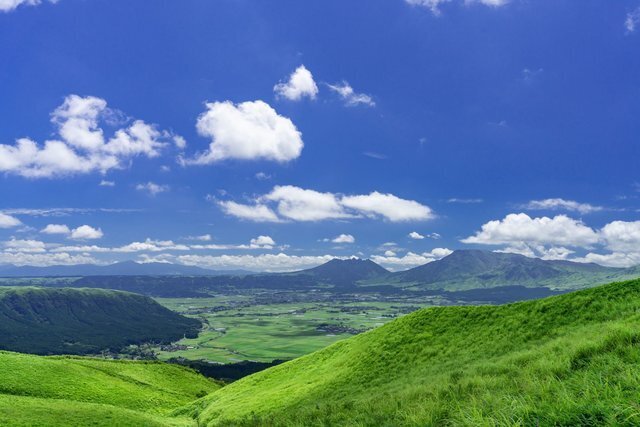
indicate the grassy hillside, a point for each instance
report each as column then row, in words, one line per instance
column 567, row 360
column 80, row 321
column 68, row 391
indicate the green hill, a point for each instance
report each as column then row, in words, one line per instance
column 82, row 321
column 475, row 269
column 567, row 360
column 73, row 391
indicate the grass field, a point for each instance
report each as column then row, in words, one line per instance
column 570, row 360
column 74, row 391
column 264, row 332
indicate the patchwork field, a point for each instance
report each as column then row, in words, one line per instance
column 243, row 327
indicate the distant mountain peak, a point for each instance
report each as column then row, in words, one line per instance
column 347, row 271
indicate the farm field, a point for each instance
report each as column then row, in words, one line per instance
column 247, row 327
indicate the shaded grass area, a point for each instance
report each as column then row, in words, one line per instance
column 568, row 360
column 36, row 390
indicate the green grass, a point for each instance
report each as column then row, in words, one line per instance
column 74, row 391
column 568, row 360
column 265, row 332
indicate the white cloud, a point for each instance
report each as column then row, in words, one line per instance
column 416, row 236
column 150, row 245
column 86, row 232
column 256, row 213
column 538, row 251
column 261, row 176
column 263, row 242
column 632, row 20
column 105, row 183
column 614, row 259
column 81, row 147
column 26, row 246
column 265, row 262
column 344, row 238
column 247, row 131
column 464, row 201
column 152, row 188
column 201, row 238
column 520, row 228
column 492, row 3
column 622, row 236
column 350, row 97
column 300, row 84
column 298, row 204
column 388, row 206
column 45, row 259
column 56, row 229
column 393, row 262
column 434, row 5
column 562, row 204
column 8, row 221
column 10, row 5
column 305, row 205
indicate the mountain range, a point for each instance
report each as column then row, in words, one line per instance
column 459, row 271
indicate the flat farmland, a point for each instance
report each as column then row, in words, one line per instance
column 243, row 327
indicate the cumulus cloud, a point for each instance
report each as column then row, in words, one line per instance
column 416, row 236
column 350, row 97
column 393, row 262
column 388, row 206
column 247, row 131
column 45, row 259
column 81, row 146
column 56, row 229
column 558, row 238
column 150, row 245
column 298, row 204
column 86, row 232
column 105, row 183
column 305, row 205
column 27, row 246
column 521, row 228
column 256, row 213
column 344, row 238
column 152, row 188
column 562, row 204
column 10, row 5
column 280, row 262
column 299, row 85
column 263, row 242
column 8, row 221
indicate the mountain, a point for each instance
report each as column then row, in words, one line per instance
column 565, row 360
column 472, row 269
column 345, row 271
column 125, row 268
column 73, row 391
column 82, row 321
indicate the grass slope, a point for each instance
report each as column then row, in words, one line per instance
column 567, row 360
column 80, row 321
column 74, row 391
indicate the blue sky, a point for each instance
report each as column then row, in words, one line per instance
column 246, row 134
